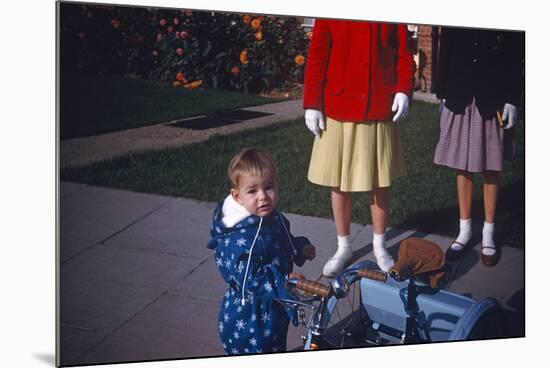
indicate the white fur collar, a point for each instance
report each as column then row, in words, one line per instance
column 233, row 212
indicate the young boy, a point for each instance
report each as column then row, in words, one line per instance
column 254, row 252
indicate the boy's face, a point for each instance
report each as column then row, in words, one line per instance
column 258, row 194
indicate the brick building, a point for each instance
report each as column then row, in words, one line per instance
column 425, row 44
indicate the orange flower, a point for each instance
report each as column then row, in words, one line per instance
column 259, row 35
column 261, row 18
column 176, row 84
column 243, row 58
column 299, row 59
column 255, row 24
column 309, row 35
column 180, row 77
column 115, row 23
column 193, row 85
column 235, row 71
column 246, row 19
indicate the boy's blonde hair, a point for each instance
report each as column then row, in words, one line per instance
column 251, row 161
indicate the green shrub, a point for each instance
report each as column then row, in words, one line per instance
column 220, row 50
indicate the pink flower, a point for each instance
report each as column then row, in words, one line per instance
column 162, row 22
column 159, row 37
column 177, row 34
column 179, row 51
column 170, row 29
column 176, row 21
column 184, row 35
column 155, row 53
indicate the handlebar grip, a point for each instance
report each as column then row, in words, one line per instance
column 372, row 274
column 314, row 287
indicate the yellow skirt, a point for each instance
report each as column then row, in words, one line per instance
column 357, row 157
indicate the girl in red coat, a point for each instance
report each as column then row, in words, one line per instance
column 358, row 81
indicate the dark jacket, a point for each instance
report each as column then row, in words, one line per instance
column 483, row 64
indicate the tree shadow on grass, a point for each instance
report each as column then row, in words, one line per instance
column 510, row 228
column 510, row 218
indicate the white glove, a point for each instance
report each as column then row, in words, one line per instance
column 401, row 105
column 315, row 121
column 509, row 112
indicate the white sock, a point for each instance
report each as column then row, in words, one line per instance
column 487, row 242
column 383, row 258
column 344, row 245
column 464, row 235
column 379, row 240
column 343, row 254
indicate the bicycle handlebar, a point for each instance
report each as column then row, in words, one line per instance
column 372, row 274
column 324, row 290
column 314, row 287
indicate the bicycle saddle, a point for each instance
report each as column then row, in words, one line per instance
column 419, row 257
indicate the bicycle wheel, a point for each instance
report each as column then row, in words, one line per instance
column 484, row 320
column 344, row 319
column 489, row 326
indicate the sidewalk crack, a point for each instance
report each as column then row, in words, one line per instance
column 165, row 292
column 109, row 334
column 116, row 232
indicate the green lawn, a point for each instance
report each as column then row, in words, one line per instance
column 425, row 199
column 93, row 105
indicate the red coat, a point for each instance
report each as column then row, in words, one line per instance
column 355, row 68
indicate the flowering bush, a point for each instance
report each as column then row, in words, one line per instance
column 193, row 48
column 271, row 52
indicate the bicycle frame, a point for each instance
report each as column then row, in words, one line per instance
column 398, row 312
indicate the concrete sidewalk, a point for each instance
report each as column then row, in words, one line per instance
column 138, row 283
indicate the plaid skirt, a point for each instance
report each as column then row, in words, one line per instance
column 468, row 142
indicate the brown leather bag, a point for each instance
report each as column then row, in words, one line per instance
column 419, row 257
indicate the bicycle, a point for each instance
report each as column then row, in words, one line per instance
column 364, row 306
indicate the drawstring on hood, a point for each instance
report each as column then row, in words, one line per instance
column 252, row 248
column 287, row 234
column 249, row 257
column 231, row 214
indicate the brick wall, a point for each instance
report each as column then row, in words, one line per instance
column 428, row 38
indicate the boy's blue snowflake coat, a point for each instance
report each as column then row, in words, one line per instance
column 261, row 324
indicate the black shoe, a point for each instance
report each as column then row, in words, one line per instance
column 452, row 254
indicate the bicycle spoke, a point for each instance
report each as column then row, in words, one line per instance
column 344, row 317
